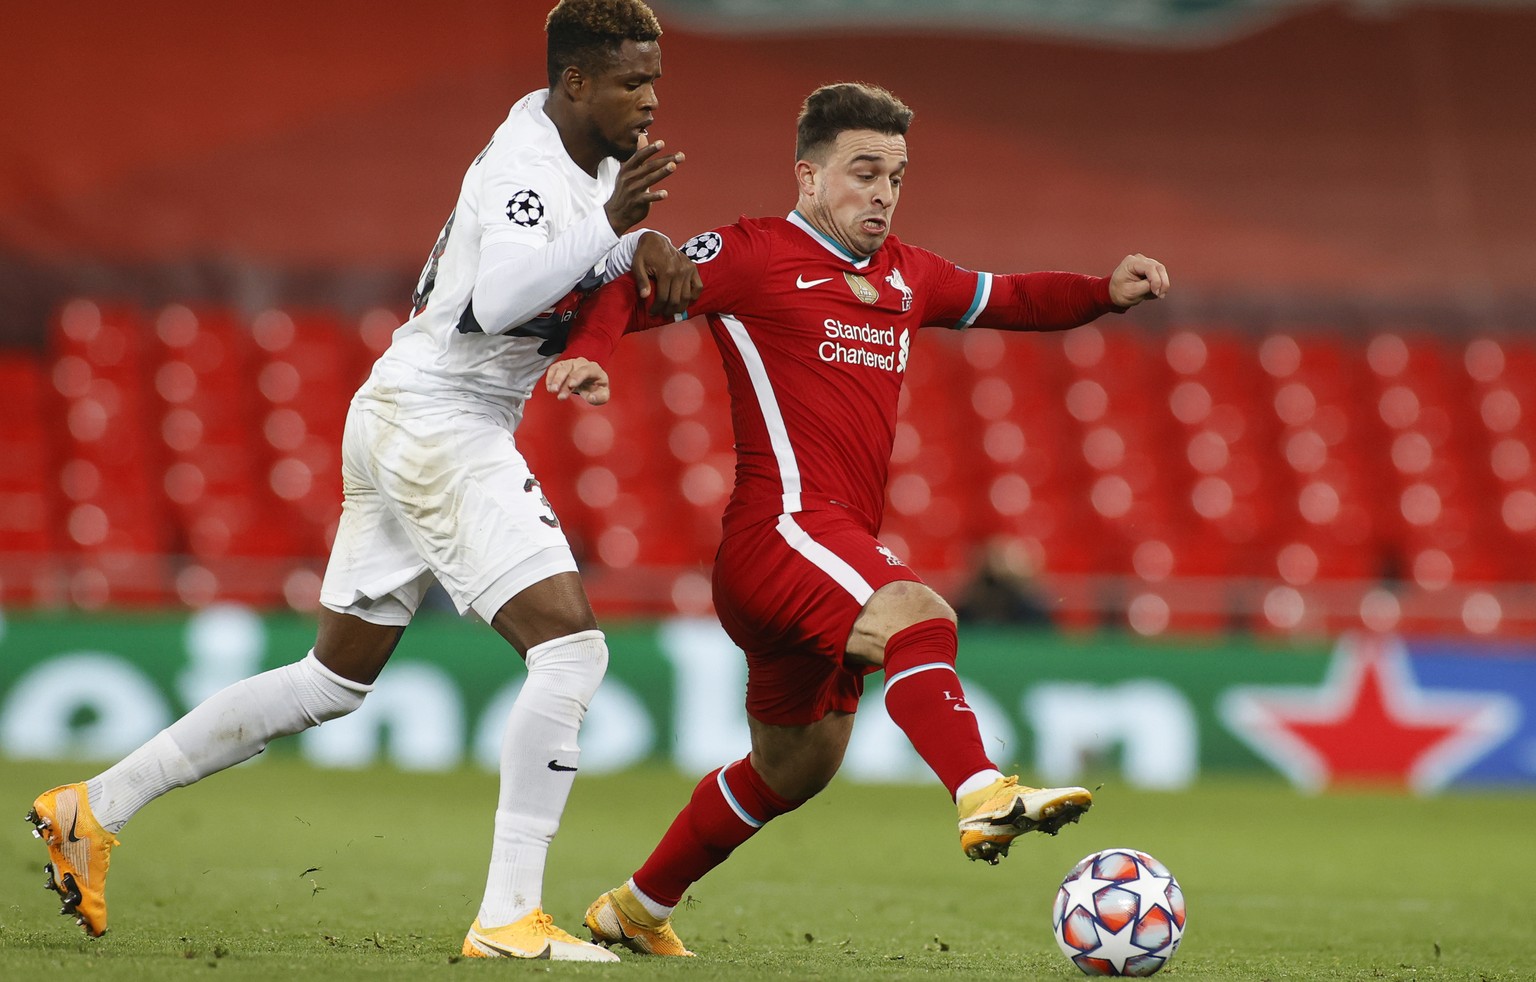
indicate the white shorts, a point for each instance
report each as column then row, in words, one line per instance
column 444, row 492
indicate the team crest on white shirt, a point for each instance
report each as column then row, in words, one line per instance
column 703, row 247
column 526, row 208
column 894, row 279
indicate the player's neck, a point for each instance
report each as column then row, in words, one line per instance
column 819, row 220
column 583, row 150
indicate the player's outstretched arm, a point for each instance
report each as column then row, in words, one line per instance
column 578, row 376
column 677, row 284
column 1137, row 278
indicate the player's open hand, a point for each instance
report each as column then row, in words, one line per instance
column 1137, row 278
column 677, row 279
column 578, row 376
column 632, row 195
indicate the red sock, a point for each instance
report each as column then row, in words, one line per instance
column 924, row 698
column 726, row 809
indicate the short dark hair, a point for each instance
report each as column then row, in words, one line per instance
column 588, row 33
column 832, row 109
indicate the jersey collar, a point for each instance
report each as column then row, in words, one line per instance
column 799, row 221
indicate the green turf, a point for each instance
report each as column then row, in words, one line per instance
column 277, row 871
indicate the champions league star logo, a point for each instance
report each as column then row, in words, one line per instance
column 702, row 247
column 526, row 208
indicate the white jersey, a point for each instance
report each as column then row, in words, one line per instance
column 524, row 191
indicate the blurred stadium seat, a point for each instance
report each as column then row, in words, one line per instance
column 1200, row 479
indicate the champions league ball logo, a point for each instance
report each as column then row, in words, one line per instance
column 526, row 208
column 702, row 248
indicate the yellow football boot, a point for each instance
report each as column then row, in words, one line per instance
column 618, row 917
column 79, row 852
column 533, row 935
column 991, row 818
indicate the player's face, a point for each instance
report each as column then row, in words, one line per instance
column 622, row 100
column 852, row 196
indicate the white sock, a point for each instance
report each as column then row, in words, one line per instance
column 659, row 911
column 232, row 725
column 976, row 782
column 538, row 765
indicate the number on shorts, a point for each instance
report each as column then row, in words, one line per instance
column 532, row 484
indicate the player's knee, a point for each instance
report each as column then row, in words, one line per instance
column 805, row 784
column 573, row 665
column 798, row 777
column 893, row 609
column 322, row 694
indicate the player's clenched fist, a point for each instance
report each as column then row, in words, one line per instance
column 1137, row 278
column 632, row 194
column 580, row 377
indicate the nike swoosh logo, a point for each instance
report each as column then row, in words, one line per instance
column 73, row 821
column 806, row 284
column 555, row 765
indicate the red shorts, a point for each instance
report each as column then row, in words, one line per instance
column 788, row 591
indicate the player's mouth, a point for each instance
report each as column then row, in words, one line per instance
column 645, row 126
column 873, row 226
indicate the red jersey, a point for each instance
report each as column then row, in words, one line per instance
column 816, row 343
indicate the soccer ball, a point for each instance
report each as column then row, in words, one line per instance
column 1119, row 912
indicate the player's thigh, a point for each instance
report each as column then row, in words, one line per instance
column 801, row 582
column 474, row 510
column 375, row 573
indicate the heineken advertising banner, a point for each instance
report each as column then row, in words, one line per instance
column 1367, row 710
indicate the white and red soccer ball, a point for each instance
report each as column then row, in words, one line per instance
column 1119, row 912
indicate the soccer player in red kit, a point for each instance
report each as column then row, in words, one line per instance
column 814, row 315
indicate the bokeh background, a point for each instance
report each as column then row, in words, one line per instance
column 1311, row 466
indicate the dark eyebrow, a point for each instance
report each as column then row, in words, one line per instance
column 877, row 158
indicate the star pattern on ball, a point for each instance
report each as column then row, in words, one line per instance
column 1082, row 889
column 1150, row 889
column 1117, row 947
column 1119, row 912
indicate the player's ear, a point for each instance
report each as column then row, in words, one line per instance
column 805, row 177
column 573, row 82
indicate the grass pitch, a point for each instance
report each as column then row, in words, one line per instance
column 277, row 871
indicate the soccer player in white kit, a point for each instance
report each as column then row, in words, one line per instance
column 435, row 486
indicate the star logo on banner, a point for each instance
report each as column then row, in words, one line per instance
column 1369, row 723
